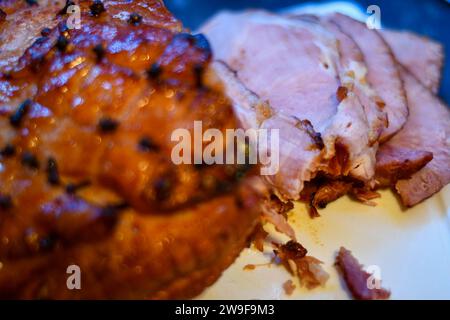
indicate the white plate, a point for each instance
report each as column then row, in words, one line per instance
column 410, row 247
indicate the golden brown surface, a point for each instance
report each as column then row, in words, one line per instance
column 86, row 176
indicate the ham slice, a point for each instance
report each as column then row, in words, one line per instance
column 426, row 131
column 383, row 74
column 357, row 279
column 353, row 74
column 299, row 78
column 422, row 57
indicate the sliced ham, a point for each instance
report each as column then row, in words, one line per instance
column 298, row 77
column 353, row 74
column 383, row 74
column 426, row 132
column 422, row 56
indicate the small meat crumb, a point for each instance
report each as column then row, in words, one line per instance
column 341, row 93
column 258, row 237
column 292, row 256
column 357, row 279
column 249, row 267
column 289, row 287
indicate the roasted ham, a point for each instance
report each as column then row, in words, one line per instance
column 86, row 173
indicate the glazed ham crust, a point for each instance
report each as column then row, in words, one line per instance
column 87, row 177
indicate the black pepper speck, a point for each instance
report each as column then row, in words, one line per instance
column 62, row 43
column 99, row 51
column 16, row 118
column 97, row 8
column 46, row 32
column 146, row 144
column 108, row 125
column 135, row 19
column 32, row 2
column 154, row 72
column 5, row 202
column 52, row 171
column 8, row 151
column 29, row 160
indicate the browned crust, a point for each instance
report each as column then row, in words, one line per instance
column 156, row 257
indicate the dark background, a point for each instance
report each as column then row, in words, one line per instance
column 427, row 17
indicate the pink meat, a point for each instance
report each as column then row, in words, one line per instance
column 423, row 57
column 427, row 129
column 300, row 79
column 383, row 74
column 357, row 279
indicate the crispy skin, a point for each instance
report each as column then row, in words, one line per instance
column 92, row 111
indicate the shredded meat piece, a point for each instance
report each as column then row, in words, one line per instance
column 365, row 196
column 292, row 256
column 310, row 272
column 274, row 212
column 258, row 237
column 329, row 192
column 356, row 278
column 280, row 206
column 289, row 287
column 249, row 267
